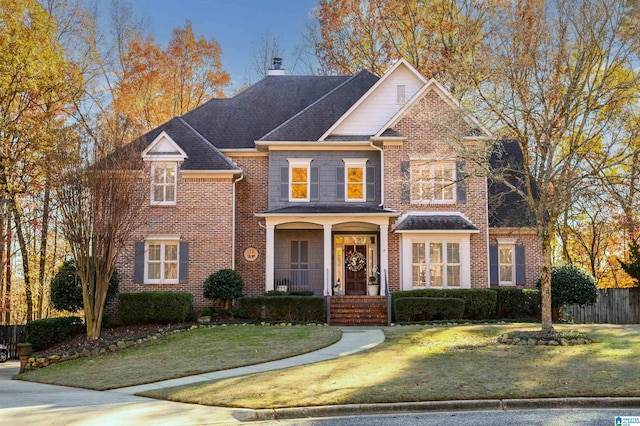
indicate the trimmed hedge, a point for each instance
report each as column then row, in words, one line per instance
column 47, row 332
column 478, row 303
column 165, row 307
column 517, row 303
column 284, row 308
column 409, row 309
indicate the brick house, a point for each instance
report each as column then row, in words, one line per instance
column 324, row 183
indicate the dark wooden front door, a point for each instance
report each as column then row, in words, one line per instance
column 356, row 281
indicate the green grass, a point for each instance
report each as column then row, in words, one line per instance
column 188, row 353
column 422, row 363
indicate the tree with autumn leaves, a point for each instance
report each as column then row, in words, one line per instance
column 156, row 85
column 556, row 76
column 70, row 97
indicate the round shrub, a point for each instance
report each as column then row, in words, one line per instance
column 572, row 285
column 66, row 289
column 225, row 285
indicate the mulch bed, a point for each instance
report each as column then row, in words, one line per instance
column 79, row 343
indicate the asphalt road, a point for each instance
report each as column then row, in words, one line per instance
column 538, row 417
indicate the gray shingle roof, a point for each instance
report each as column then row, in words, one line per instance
column 507, row 208
column 297, row 108
column 239, row 121
column 442, row 222
column 201, row 154
column 312, row 122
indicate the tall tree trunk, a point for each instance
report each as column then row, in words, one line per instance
column 545, row 284
column 4, row 260
column 8, row 274
column 17, row 220
column 43, row 246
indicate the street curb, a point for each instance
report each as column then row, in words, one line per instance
column 446, row 406
column 354, row 409
column 585, row 402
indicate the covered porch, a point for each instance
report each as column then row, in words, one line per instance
column 339, row 253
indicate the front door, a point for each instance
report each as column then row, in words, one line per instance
column 355, row 270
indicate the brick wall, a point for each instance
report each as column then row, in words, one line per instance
column 425, row 139
column 202, row 217
column 251, row 198
column 532, row 250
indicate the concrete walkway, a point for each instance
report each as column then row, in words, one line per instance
column 38, row 404
column 354, row 339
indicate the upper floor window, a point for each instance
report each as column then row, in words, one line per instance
column 163, row 183
column 299, row 179
column 355, row 179
column 433, row 182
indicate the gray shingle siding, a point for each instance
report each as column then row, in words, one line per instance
column 327, row 163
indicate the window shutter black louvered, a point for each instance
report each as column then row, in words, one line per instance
column 493, row 265
column 138, row 269
column 183, row 263
column 521, row 275
column 461, row 183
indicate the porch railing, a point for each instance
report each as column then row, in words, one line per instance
column 300, row 280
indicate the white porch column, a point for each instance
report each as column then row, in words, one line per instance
column 384, row 256
column 269, row 258
column 328, row 244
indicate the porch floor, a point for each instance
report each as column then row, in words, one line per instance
column 358, row 310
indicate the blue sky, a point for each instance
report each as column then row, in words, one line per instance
column 237, row 25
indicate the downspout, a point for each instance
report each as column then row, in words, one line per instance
column 233, row 222
column 381, row 172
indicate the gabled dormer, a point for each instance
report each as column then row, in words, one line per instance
column 391, row 93
column 164, row 156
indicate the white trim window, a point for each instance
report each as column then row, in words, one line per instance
column 355, row 178
column 436, row 264
column 161, row 261
column 163, row 183
column 433, row 182
column 506, row 264
column 299, row 179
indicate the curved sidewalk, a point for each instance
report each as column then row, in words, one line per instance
column 39, row 404
column 354, row 339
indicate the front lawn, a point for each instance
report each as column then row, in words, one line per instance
column 192, row 352
column 423, row 363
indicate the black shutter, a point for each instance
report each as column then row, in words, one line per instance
column 461, row 183
column 405, row 184
column 371, row 184
column 183, row 264
column 493, row 265
column 340, row 184
column 521, row 275
column 138, row 269
column 284, row 183
column 315, row 184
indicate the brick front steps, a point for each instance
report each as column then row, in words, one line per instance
column 358, row 310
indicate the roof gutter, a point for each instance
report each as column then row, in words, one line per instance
column 233, row 222
column 381, row 172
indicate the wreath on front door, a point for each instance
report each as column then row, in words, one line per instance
column 355, row 261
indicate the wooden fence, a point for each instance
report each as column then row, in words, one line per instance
column 11, row 335
column 614, row 306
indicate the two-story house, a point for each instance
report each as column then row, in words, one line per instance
column 323, row 183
